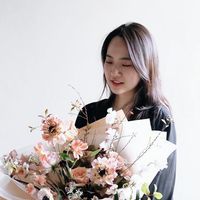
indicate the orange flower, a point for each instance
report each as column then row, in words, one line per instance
column 78, row 147
column 80, row 175
column 51, row 128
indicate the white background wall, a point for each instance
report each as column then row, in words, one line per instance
column 46, row 45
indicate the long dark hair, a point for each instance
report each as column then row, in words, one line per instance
column 144, row 57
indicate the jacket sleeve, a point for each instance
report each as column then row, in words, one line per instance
column 165, row 179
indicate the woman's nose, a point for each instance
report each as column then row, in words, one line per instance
column 115, row 70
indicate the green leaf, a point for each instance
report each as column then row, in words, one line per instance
column 46, row 112
column 32, row 128
column 94, row 153
column 145, row 189
column 116, row 196
column 157, row 195
column 137, row 195
column 41, row 116
column 64, row 156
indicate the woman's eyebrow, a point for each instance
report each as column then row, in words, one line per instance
column 123, row 58
column 107, row 55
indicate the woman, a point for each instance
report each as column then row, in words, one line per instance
column 130, row 66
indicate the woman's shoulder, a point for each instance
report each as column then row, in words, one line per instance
column 160, row 117
column 161, row 112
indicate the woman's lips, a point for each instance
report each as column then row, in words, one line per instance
column 116, row 83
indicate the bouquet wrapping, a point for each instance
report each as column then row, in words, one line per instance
column 110, row 158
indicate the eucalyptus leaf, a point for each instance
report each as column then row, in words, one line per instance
column 145, row 189
column 157, row 195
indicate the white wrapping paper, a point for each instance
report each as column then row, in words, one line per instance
column 136, row 137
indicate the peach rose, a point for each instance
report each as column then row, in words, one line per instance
column 80, row 175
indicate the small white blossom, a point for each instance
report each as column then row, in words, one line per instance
column 26, row 167
column 112, row 189
column 106, row 145
column 9, row 167
column 111, row 116
column 45, row 192
column 125, row 193
column 112, row 134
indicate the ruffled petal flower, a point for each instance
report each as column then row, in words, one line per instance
column 51, row 127
column 78, row 147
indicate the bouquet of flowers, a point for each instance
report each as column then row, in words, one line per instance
column 75, row 164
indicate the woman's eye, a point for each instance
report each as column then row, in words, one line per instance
column 126, row 65
column 108, row 62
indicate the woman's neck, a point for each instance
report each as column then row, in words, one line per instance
column 124, row 102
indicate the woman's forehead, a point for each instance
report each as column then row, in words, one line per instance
column 118, row 48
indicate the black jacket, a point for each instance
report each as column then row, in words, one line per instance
column 165, row 179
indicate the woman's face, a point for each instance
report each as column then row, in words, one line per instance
column 120, row 74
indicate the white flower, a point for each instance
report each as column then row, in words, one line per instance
column 9, row 167
column 112, row 189
column 45, row 192
column 26, row 167
column 61, row 139
column 125, row 193
column 106, row 145
column 111, row 116
column 112, row 134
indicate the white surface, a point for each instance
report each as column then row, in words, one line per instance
column 45, row 45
